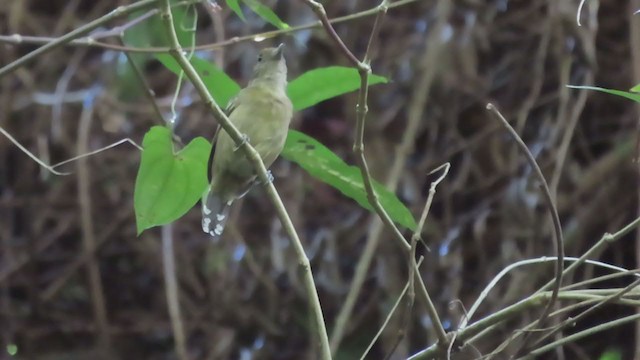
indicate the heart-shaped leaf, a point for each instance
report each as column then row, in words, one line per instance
column 168, row 184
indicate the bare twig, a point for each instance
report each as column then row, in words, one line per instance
column 589, row 311
column 414, row 273
column 604, row 241
column 481, row 326
column 431, row 309
column 391, row 312
column 119, row 11
column 581, row 334
column 35, row 158
column 553, row 212
column 432, row 191
column 88, row 231
column 358, row 148
column 254, row 157
column 97, row 151
column 171, row 290
column 91, row 42
column 364, row 69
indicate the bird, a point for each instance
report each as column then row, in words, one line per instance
column 261, row 112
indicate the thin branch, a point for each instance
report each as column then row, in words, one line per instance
column 119, row 11
column 594, row 280
column 35, row 158
column 364, row 70
column 533, row 301
column 391, row 312
column 414, row 272
column 604, row 241
column 88, row 231
column 171, row 290
column 91, row 42
column 485, row 292
column 553, row 212
column 97, row 151
column 358, row 148
column 432, row 191
column 415, row 117
column 579, row 335
column 441, row 334
column 589, row 311
column 261, row 171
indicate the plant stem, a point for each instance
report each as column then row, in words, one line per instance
column 312, row 293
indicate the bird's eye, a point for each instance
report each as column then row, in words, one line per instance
column 260, row 58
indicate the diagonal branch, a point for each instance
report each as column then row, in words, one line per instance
column 553, row 212
column 364, row 69
column 119, row 11
column 312, row 293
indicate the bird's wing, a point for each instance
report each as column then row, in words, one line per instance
column 232, row 105
column 213, row 150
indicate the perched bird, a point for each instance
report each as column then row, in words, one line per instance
column 262, row 113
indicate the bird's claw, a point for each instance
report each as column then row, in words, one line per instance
column 270, row 179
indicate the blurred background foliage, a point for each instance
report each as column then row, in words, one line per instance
column 242, row 297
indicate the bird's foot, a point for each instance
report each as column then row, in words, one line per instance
column 245, row 140
column 270, row 179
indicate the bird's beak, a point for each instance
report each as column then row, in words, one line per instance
column 280, row 50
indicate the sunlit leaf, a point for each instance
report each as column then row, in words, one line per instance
column 219, row 84
column 629, row 95
column 320, row 84
column 235, row 6
column 635, row 89
column 323, row 164
column 266, row 14
column 168, row 184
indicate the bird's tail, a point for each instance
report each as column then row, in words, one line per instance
column 215, row 212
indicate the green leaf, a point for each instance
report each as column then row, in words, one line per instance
column 266, row 14
column 168, row 184
column 309, row 89
column 635, row 89
column 235, row 6
column 326, row 166
column 219, row 84
column 611, row 355
column 320, row 84
column 152, row 32
column 148, row 33
column 629, row 95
